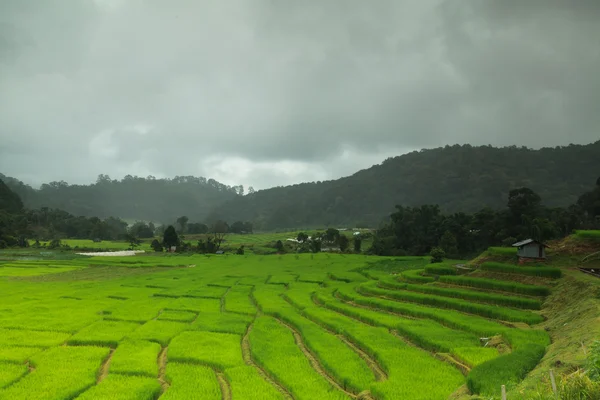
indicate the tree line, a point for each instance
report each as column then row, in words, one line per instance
column 19, row 224
column 419, row 230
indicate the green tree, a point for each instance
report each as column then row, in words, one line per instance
column 279, row 246
column 448, row 244
column 156, row 246
column 437, row 255
column 343, row 242
column 315, row 245
column 182, row 221
column 133, row 241
column 357, row 243
column 170, row 237
column 302, row 237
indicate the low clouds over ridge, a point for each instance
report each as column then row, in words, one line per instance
column 270, row 93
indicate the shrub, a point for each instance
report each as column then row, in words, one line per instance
column 547, row 272
column 437, row 255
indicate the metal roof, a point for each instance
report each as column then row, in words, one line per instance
column 527, row 241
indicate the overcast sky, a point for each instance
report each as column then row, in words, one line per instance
column 276, row 92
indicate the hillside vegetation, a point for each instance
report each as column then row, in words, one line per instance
column 457, row 178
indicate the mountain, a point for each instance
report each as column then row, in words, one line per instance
column 149, row 199
column 458, row 178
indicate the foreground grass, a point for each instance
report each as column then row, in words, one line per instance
column 319, row 325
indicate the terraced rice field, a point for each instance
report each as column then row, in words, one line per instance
column 259, row 327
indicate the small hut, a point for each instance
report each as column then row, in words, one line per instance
column 530, row 249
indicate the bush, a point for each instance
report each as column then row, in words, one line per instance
column 437, row 255
column 546, row 272
column 508, row 369
column 156, row 246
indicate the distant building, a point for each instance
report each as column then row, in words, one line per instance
column 530, row 249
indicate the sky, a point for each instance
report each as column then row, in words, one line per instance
column 267, row 93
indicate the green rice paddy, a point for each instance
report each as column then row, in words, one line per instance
column 308, row 326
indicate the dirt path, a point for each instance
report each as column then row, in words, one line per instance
column 225, row 388
column 103, row 372
column 446, row 357
column 247, row 356
column 162, row 366
column 379, row 373
column 314, row 362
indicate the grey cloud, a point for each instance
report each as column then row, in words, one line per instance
column 273, row 82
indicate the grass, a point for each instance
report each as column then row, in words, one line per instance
column 10, row 373
column 224, row 323
column 160, row 332
column 122, row 387
column 488, row 311
column 217, row 350
column 502, row 251
column 440, row 270
column 190, row 381
column 474, row 356
column 271, row 342
column 339, row 360
column 60, row 372
column 17, row 354
column 546, row 272
column 135, row 358
column 494, row 284
column 19, row 337
column 487, row 378
column 481, row 297
column 141, row 304
column 589, row 234
column 103, row 333
column 247, row 384
column 417, row 276
column 238, row 301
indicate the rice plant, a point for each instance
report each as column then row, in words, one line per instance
column 487, row 311
column 546, row 272
column 122, row 387
column 188, row 381
column 482, row 297
column 494, row 284
column 60, row 372
column 135, row 358
column 218, row 350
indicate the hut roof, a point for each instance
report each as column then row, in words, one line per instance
column 527, row 241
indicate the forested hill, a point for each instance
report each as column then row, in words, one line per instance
column 149, row 199
column 458, row 178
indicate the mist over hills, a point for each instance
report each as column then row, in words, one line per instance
column 458, row 178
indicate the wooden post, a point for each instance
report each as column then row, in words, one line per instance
column 503, row 392
column 553, row 381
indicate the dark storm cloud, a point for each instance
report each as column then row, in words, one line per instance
column 270, row 92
